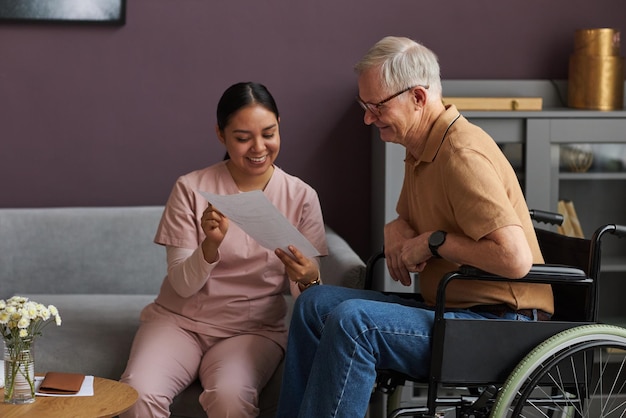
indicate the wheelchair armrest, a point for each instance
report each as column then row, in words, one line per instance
column 539, row 273
column 554, row 272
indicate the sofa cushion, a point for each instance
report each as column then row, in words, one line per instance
column 80, row 250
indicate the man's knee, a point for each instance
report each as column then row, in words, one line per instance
column 351, row 308
column 308, row 301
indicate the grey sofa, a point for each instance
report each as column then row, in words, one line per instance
column 100, row 267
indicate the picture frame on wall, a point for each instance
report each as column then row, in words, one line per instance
column 104, row 12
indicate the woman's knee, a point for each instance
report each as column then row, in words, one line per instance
column 229, row 398
column 155, row 389
column 149, row 403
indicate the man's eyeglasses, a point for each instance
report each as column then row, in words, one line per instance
column 375, row 108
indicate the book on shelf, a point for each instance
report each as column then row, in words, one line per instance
column 571, row 224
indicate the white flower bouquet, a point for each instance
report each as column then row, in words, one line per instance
column 21, row 320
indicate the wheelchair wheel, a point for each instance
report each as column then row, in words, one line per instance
column 580, row 372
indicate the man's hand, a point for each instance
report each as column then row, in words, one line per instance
column 415, row 253
column 397, row 233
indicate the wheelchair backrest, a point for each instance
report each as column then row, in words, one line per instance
column 571, row 302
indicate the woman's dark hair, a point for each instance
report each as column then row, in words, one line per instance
column 241, row 95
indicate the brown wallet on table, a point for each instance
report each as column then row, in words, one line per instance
column 60, row 383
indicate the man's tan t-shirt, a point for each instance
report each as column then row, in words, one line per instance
column 464, row 184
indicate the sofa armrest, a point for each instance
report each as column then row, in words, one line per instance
column 342, row 266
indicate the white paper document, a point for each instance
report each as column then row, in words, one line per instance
column 260, row 219
column 85, row 390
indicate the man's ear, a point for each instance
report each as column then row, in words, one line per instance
column 419, row 96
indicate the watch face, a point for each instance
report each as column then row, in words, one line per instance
column 437, row 238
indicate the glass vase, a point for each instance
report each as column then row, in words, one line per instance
column 19, row 372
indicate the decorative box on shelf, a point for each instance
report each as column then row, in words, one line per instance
column 495, row 103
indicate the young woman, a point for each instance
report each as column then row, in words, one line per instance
column 219, row 315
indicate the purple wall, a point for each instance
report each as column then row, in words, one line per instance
column 110, row 116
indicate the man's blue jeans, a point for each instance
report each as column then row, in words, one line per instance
column 339, row 337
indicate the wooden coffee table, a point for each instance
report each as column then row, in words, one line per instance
column 110, row 399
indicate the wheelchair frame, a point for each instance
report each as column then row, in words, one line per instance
column 541, row 368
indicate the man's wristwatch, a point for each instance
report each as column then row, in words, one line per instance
column 435, row 241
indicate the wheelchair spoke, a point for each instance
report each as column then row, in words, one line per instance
column 609, row 407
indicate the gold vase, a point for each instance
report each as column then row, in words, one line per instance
column 596, row 71
column 602, row 41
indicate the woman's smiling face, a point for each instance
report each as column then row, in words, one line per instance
column 252, row 140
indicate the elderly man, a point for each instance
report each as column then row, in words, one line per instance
column 460, row 203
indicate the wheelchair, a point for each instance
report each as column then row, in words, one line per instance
column 569, row 366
